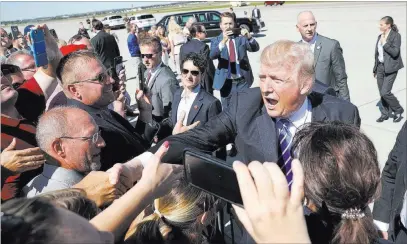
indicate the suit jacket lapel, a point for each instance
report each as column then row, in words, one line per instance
column 150, row 85
column 175, row 105
column 267, row 130
column 196, row 106
column 317, row 50
column 318, row 113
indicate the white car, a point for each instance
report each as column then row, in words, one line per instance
column 143, row 21
column 114, row 21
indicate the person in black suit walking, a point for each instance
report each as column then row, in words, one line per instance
column 105, row 47
column 258, row 120
column 387, row 63
column 390, row 210
column 196, row 45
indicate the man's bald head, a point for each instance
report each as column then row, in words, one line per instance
column 306, row 25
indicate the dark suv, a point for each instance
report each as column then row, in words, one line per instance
column 211, row 20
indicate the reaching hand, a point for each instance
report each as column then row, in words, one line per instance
column 99, row 187
column 271, row 213
column 245, row 32
column 119, row 173
column 180, row 128
column 19, row 161
column 159, row 177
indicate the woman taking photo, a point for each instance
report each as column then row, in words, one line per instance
column 387, row 63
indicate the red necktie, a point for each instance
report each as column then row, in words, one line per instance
column 232, row 54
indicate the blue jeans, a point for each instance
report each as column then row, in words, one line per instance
column 229, row 88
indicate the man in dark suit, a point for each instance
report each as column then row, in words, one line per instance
column 93, row 93
column 256, row 13
column 257, row 118
column 390, row 210
column 328, row 58
column 387, row 64
column 233, row 72
column 105, row 46
column 196, row 45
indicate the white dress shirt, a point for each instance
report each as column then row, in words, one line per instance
column 380, row 48
column 299, row 117
column 187, row 99
column 153, row 72
column 312, row 42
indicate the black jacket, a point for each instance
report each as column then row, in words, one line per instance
column 197, row 46
column 391, row 53
column 394, row 184
column 123, row 141
column 106, row 48
column 246, row 123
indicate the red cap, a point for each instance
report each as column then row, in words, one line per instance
column 65, row 50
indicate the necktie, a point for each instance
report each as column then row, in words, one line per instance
column 232, row 54
column 148, row 77
column 285, row 139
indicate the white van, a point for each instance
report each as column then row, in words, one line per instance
column 114, row 21
column 143, row 21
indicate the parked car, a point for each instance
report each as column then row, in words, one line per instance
column 211, row 20
column 273, row 3
column 113, row 21
column 143, row 21
column 238, row 4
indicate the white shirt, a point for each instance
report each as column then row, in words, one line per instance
column 186, row 103
column 153, row 72
column 299, row 117
column 255, row 13
column 221, row 46
column 312, row 42
column 380, row 48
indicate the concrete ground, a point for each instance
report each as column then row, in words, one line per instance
column 353, row 24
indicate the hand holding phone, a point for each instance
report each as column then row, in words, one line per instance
column 212, row 175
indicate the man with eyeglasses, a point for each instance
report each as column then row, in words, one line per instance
column 88, row 85
column 196, row 45
column 160, row 83
column 70, row 140
column 25, row 61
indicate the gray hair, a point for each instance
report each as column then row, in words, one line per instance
column 13, row 58
column 54, row 124
column 295, row 56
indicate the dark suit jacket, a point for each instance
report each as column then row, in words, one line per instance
column 242, row 45
column 394, row 184
column 197, row 46
column 123, row 141
column 330, row 65
column 320, row 87
column 204, row 107
column 391, row 53
column 258, row 13
column 246, row 123
column 106, row 48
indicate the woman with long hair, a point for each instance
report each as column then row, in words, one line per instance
column 182, row 216
column 387, row 63
column 165, row 43
column 341, row 178
column 176, row 39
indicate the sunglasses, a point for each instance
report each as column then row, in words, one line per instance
column 99, row 79
column 7, row 69
column 193, row 72
column 149, row 56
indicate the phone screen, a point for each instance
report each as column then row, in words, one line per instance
column 213, row 176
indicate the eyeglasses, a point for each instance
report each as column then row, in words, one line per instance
column 29, row 70
column 94, row 137
column 193, row 72
column 99, row 79
column 149, row 56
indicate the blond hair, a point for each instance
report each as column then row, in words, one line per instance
column 173, row 27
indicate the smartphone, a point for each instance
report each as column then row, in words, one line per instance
column 53, row 33
column 212, row 175
column 236, row 32
column 38, row 47
column 118, row 64
column 14, row 32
